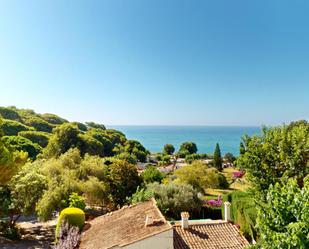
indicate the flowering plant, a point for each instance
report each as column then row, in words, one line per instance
column 238, row 174
column 215, row 203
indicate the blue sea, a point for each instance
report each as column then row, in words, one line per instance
column 205, row 137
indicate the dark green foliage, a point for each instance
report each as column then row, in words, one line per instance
column 116, row 137
column 8, row 209
column 152, row 174
column 64, row 137
column 229, row 157
column 137, row 149
column 217, row 162
column 242, row 148
column 188, row 147
column 223, row 183
column 123, row 180
column 95, row 125
column 11, row 127
column 168, row 149
column 244, row 212
column 39, row 137
column 9, row 232
column 182, row 153
column 192, row 157
column 53, row 119
column 104, row 138
column 80, row 126
column 89, row 145
column 9, row 113
column 22, row 144
column 38, row 124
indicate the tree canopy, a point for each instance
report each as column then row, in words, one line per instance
column 168, row 149
column 283, row 221
column 279, row 154
column 199, row 176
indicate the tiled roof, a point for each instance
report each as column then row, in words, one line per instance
column 124, row 226
column 212, row 235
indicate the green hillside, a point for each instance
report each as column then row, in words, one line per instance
column 49, row 135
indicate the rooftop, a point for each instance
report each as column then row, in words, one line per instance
column 124, row 226
column 210, row 234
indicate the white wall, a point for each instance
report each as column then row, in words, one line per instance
column 162, row 240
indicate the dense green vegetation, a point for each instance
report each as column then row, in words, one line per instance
column 48, row 163
column 51, row 136
column 277, row 165
column 172, row 199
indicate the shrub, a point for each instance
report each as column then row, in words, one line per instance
column 53, row 119
column 11, row 128
column 223, row 184
column 193, row 157
column 77, row 201
column 9, row 113
column 73, row 216
column 22, row 144
column 173, row 199
column 243, row 212
column 152, row 174
column 38, row 137
column 11, row 232
column 38, row 124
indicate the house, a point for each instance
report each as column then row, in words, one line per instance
column 137, row 226
column 143, row 226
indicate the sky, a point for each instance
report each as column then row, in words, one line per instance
column 157, row 62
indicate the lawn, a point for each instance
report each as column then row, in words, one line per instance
column 238, row 184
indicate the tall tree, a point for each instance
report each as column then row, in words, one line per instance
column 187, row 148
column 217, row 158
column 123, row 180
column 168, row 149
column 277, row 155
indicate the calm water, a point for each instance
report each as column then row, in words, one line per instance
column 205, row 137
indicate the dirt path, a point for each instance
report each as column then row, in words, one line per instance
column 36, row 235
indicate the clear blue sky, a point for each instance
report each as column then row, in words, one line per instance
column 179, row 62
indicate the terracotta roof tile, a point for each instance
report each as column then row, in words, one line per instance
column 124, row 226
column 212, row 235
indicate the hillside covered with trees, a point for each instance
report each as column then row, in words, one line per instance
column 49, row 164
column 48, row 135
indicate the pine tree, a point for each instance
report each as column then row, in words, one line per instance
column 217, row 158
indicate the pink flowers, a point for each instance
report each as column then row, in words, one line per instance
column 238, row 174
column 215, row 203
